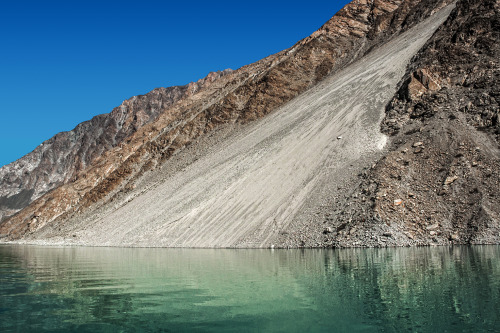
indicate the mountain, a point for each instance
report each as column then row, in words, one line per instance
column 381, row 128
column 59, row 160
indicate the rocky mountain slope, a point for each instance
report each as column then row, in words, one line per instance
column 59, row 160
column 247, row 189
column 207, row 172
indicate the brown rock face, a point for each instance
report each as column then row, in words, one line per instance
column 95, row 175
column 421, row 82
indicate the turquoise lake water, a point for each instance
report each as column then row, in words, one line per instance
column 80, row 289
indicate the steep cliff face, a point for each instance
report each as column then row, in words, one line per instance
column 58, row 160
column 234, row 99
column 439, row 183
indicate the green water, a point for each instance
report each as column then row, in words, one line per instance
column 170, row 290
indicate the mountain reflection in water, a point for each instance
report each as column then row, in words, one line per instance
column 130, row 289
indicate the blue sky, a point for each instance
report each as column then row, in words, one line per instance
column 63, row 62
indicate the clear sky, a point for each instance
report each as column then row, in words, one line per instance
column 63, row 62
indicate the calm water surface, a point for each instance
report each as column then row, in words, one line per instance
column 170, row 290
